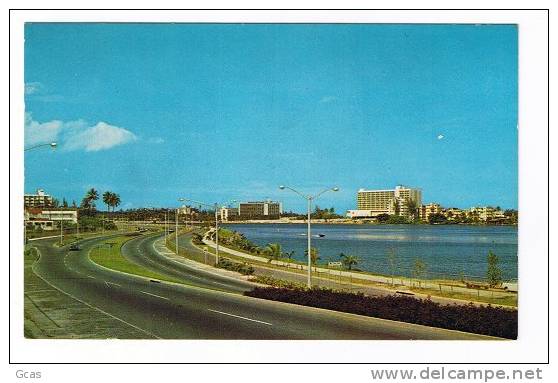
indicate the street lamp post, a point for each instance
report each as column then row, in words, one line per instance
column 166, row 222
column 216, row 235
column 51, row 144
column 309, row 199
column 61, row 231
column 176, row 231
column 215, row 206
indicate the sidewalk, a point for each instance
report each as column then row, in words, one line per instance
column 161, row 248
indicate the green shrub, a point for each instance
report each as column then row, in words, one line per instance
column 242, row 268
column 275, row 282
column 197, row 239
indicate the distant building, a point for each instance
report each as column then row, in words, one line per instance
column 259, row 209
column 40, row 199
column 486, row 213
column 426, row 211
column 228, row 212
column 185, row 210
column 372, row 203
column 48, row 218
column 454, row 214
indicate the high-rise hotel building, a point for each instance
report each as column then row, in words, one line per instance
column 371, row 203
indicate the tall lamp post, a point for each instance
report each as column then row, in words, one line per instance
column 176, row 226
column 53, row 146
column 216, row 207
column 309, row 199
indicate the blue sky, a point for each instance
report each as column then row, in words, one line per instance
column 219, row 112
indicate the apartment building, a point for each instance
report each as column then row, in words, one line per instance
column 39, row 199
column 259, row 209
column 228, row 212
column 426, row 211
column 485, row 213
column 454, row 214
column 371, row 203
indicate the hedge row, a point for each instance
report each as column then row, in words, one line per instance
column 242, row 268
column 268, row 280
column 486, row 320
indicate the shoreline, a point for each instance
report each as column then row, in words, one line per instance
column 351, row 222
column 369, row 277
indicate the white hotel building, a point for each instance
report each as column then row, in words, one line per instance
column 372, row 203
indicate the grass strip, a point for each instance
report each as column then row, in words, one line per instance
column 112, row 258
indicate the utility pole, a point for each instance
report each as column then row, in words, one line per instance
column 309, row 199
column 176, row 232
column 216, row 236
column 309, row 236
column 61, row 231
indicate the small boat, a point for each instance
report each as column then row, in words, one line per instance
column 321, row 235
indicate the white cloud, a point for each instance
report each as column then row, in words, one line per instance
column 38, row 133
column 99, row 137
column 76, row 135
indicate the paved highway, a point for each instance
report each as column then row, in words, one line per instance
column 141, row 251
column 173, row 311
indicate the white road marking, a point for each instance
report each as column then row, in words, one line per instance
column 238, row 316
column 112, row 283
column 90, row 276
column 219, row 283
column 155, row 295
column 96, row 308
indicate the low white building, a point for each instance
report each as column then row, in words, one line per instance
column 49, row 218
column 486, row 213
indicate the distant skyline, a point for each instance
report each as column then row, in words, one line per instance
column 216, row 112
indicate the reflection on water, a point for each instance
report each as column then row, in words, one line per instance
column 448, row 251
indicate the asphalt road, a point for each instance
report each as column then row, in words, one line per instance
column 141, row 252
column 172, row 311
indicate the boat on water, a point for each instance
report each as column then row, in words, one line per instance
column 320, row 235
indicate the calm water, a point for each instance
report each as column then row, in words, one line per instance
column 447, row 251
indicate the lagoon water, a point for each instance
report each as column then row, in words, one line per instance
column 448, row 251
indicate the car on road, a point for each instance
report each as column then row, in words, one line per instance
column 74, row 247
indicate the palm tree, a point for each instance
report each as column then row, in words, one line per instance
column 289, row 254
column 349, row 260
column 91, row 196
column 273, row 251
column 411, row 205
column 314, row 255
column 419, row 269
column 107, row 196
column 114, row 201
column 393, row 263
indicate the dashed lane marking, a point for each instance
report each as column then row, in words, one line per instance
column 240, row 317
column 155, row 295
